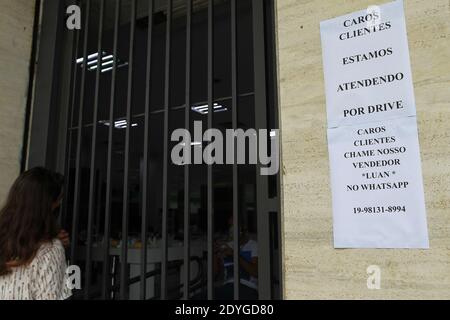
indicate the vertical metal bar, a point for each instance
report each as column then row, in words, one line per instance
column 210, row 236
column 125, row 209
column 93, row 154
column 274, row 88
column 106, row 242
column 164, row 257
column 145, row 184
column 65, row 98
column 44, row 118
column 234, row 93
column 68, row 125
column 76, row 206
column 187, row 221
column 259, row 49
column 31, row 83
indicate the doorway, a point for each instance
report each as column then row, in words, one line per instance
column 143, row 227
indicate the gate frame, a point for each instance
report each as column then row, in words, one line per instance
column 49, row 114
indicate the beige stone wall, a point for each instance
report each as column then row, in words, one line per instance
column 16, row 31
column 312, row 268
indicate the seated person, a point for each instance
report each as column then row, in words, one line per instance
column 248, row 268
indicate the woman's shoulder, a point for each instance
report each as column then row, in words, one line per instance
column 50, row 250
column 49, row 272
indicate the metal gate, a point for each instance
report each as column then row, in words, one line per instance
column 106, row 99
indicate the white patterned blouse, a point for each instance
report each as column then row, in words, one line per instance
column 44, row 278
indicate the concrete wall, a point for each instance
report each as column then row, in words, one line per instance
column 313, row 269
column 16, row 32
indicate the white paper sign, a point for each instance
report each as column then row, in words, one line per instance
column 376, row 177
